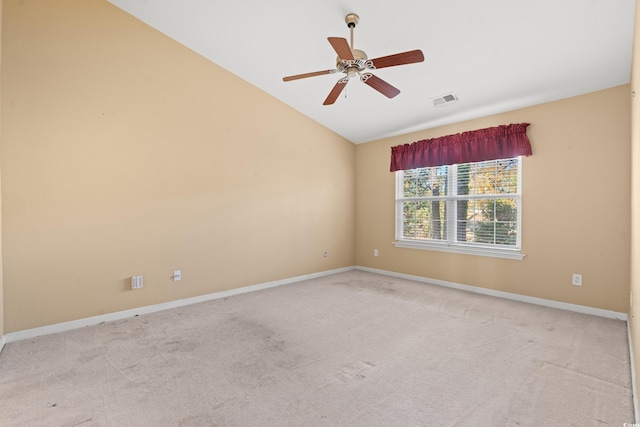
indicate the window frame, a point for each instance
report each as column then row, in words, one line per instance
column 451, row 244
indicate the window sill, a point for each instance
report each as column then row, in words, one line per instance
column 461, row 249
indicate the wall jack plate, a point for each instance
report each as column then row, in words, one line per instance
column 137, row 282
column 577, row 280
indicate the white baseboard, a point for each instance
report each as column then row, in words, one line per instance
column 507, row 295
column 634, row 390
column 89, row 321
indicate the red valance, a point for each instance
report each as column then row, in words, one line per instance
column 501, row 142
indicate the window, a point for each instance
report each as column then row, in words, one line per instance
column 467, row 208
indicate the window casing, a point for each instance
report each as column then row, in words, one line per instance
column 470, row 208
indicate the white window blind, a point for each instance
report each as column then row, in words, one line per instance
column 470, row 207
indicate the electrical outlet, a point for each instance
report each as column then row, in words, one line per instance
column 375, row 252
column 577, row 280
column 325, row 254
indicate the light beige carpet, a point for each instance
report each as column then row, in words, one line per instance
column 352, row 349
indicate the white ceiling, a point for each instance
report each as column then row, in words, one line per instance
column 495, row 55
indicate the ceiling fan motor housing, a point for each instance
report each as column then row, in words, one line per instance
column 358, row 64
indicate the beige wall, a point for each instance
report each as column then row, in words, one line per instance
column 576, row 209
column 124, row 153
column 635, row 196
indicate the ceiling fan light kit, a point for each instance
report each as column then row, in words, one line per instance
column 355, row 63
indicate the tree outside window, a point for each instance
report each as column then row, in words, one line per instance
column 471, row 204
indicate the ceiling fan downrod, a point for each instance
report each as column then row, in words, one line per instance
column 352, row 20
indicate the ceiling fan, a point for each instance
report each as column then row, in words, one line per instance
column 353, row 62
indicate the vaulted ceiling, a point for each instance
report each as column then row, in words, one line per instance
column 493, row 55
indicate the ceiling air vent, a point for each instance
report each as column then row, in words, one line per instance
column 443, row 100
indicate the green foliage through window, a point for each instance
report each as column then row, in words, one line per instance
column 471, row 204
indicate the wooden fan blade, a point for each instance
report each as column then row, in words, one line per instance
column 336, row 91
column 410, row 57
column 341, row 46
column 380, row 85
column 305, row 75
